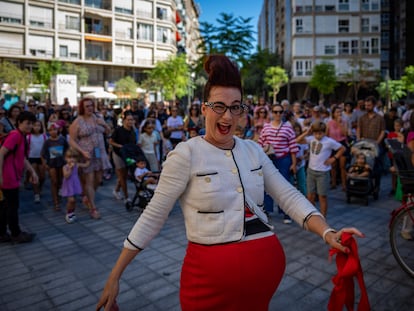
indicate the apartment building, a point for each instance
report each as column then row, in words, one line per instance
column 111, row 38
column 308, row 32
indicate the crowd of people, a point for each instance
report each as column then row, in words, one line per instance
column 227, row 159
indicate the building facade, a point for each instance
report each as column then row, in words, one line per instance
column 111, row 38
column 346, row 33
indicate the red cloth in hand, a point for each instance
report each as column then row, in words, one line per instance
column 348, row 266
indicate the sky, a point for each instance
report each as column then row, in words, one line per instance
column 210, row 10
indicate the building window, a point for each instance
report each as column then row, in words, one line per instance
column 375, row 28
column 299, row 25
column 162, row 34
column 354, row 47
column 72, row 22
column 343, row 47
column 318, row 8
column 365, row 47
column 343, row 5
column 375, row 5
column 364, row 24
column 10, row 20
column 63, row 50
column 329, row 49
column 365, row 5
column 308, row 8
column 374, row 46
column 385, row 38
column 162, row 13
column 308, row 68
column 385, row 19
column 343, row 25
column 145, row 32
column 299, row 68
column 299, row 9
column 71, row 1
column 329, row 8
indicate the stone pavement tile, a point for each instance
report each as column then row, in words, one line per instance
column 86, row 302
column 69, row 296
column 169, row 302
column 25, row 301
column 38, row 306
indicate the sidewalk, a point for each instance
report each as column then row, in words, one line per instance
column 66, row 266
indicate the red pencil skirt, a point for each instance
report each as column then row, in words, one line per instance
column 235, row 276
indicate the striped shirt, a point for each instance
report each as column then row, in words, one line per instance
column 282, row 139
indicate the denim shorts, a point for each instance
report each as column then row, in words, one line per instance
column 318, row 181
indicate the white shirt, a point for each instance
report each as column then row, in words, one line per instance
column 320, row 151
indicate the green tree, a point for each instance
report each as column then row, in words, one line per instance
column 392, row 90
column 275, row 77
column 232, row 36
column 360, row 75
column 126, row 87
column 253, row 72
column 324, row 78
column 171, row 77
column 408, row 78
column 19, row 80
column 81, row 73
column 46, row 70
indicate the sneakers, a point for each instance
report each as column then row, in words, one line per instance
column 127, row 200
column 23, row 237
column 287, row 219
column 70, row 218
column 37, row 198
column 117, row 194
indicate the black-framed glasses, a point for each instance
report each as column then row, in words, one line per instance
column 277, row 111
column 220, row 108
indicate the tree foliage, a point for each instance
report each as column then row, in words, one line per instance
column 253, row 72
column 392, row 90
column 170, row 77
column 18, row 79
column 81, row 73
column 408, row 78
column 324, row 78
column 275, row 77
column 360, row 75
column 126, row 87
column 46, row 70
column 233, row 36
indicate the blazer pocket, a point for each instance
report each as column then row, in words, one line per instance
column 257, row 176
column 208, row 181
column 210, row 223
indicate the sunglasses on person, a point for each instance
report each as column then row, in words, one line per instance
column 277, row 111
column 221, row 108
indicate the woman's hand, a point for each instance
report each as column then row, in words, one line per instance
column 86, row 155
column 333, row 239
column 108, row 297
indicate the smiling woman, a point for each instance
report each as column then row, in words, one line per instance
column 234, row 261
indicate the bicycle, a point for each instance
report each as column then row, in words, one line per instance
column 402, row 218
column 401, row 229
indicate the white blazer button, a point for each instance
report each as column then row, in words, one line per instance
column 239, row 189
column 207, row 179
column 261, row 174
column 234, row 170
column 228, row 153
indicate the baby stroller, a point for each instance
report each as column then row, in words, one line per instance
column 362, row 187
column 131, row 153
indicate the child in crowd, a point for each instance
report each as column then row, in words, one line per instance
column 148, row 142
column 360, row 168
column 397, row 134
column 35, row 141
column 144, row 175
column 167, row 146
column 52, row 155
column 71, row 185
column 320, row 161
column 301, row 157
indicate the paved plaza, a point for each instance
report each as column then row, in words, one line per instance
column 66, row 266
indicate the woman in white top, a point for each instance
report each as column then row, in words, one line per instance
column 234, row 261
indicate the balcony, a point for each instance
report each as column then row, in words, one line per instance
column 98, row 25
column 99, row 4
column 98, row 51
